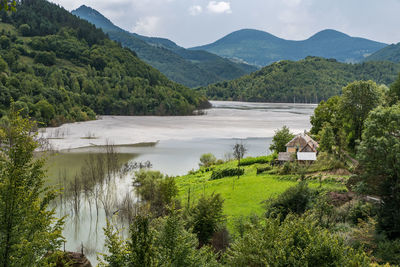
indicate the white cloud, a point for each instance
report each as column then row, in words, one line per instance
column 195, row 10
column 219, row 7
column 147, row 25
column 292, row 3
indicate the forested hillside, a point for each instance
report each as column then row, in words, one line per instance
column 304, row 81
column 191, row 68
column 262, row 48
column 389, row 53
column 60, row 68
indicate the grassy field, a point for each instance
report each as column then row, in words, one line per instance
column 243, row 196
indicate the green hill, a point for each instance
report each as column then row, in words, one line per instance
column 388, row 53
column 261, row 48
column 191, row 68
column 59, row 68
column 304, row 81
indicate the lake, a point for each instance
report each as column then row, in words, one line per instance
column 172, row 144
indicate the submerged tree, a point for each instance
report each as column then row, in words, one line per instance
column 28, row 228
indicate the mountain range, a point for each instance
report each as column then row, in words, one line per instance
column 262, row 48
column 189, row 67
column 388, row 53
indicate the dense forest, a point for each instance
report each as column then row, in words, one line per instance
column 191, row 68
column 306, row 81
column 59, row 68
column 388, row 53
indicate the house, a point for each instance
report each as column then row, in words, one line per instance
column 303, row 146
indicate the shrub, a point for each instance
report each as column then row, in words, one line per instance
column 227, row 172
column 263, row 168
column 388, row 251
column 46, row 58
column 293, row 242
column 207, row 160
column 296, row 199
column 261, row 160
column 361, row 210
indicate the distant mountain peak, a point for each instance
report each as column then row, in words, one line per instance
column 95, row 17
column 329, row 34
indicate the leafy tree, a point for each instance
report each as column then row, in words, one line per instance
column 178, row 247
column 358, row 99
column 280, row 139
column 28, row 228
column 395, row 89
column 206, row 217
column 207, row 160
column 156, row 190
column 297, row 241
column 327, row 138
column 238, row 153
column 8, row 5
column 24, row 29
column 379, row 155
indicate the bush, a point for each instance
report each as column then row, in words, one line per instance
column 361, row 210
column 293, row 242
column 227, row 172
column 388, row 251
column 261, row 160
column 264, row 168
column 296, row 199
column 45, row 58
column 207, row 160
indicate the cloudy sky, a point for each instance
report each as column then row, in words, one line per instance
column 197, row 22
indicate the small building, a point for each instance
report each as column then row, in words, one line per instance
column 302, row 143
column 303, row 146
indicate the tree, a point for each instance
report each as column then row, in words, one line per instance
column 28, row 228
column 327, row 138
column 379, row 155
column 8, row 5
column 326, row 111
column 207, row 160
column 280, row 139
column 238, row 153
column 206, row 217
column 357, row 100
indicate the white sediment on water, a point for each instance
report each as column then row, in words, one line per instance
column 224, row 120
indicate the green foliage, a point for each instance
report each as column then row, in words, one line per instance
column 296, row 199
column 28, row 228
column 206, row 217
column 280, row 139
column 8, row 5
column 164, row 242
column 296, row 241
column 255, row 160
column 156, row 190
column 388, row 251
column 206, row 160
column 178, row 247
column 379, row 155
column 263, row 168
column 226, row 172
column 327, row 138
column 388, row 53
column 357, row 100
column 75, row 68
column 309, row 80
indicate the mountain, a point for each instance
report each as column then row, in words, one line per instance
column 389, row 53
column 306, row 81
column 262, row 48
column 59, row 68
column 191, row 68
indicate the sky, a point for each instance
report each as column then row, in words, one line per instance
column 197, row 22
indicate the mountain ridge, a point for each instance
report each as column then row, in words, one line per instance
column 262, row 48
column 188, row 67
